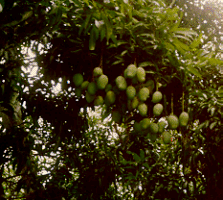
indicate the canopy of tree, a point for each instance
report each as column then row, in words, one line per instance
column 139, row 65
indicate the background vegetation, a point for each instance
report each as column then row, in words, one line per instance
column 59, row 145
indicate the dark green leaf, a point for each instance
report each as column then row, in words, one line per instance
column 136, row 157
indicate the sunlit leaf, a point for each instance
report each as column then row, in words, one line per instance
column 194, row 71
column 196, row 42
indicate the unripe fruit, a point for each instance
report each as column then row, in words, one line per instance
column 89, row 97
column 153, row 128
column 97, row 71
column 152, row 137
column 78, row 92
column 121, row 83
column 141, row 74
column 173, row 121
column 157, row 96
column 161, row 125
column 125, row 73
column 143, row 94
column 135, row 103
column 157, row 109
column 102, row 81
column 108, row 87
column 78, row 79
column 106, row 102
column 166, row 137
column 92, row 88
column 144, row 123
column 131, row 71
column 84, row 85
column 183, row 119
column 142, row 108
column 110, row 96
column 137, row 127
column 116, row 116
column 98, row 101
column 130, row 92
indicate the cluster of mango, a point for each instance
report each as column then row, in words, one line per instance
column 137, row 93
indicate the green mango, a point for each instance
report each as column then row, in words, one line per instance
column 131, row 71
column 153, row 128
column 78, row 92
column 92, row 88
column 89, row 97
column 166, row 137
column 121, row 83
column 144, row 123
column 135, row 103
column 78, row 79
column 130, row 92
column 98, row 101
column 142, row 108
column 183, row 119
column 97, row 71
column 84, row 85
column 157, row 109
column 157, row 97
column 108, row 87
column 137, row 127
column 141, row 74
column 143, row 94
column 161, row 125
column 102, row 81
column 110, row 96
column 173, row 121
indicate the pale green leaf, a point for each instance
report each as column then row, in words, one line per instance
column 196, row 42
column 194, row 71
column 212, row 125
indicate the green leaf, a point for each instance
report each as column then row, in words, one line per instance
column 145, row 64
column 87, row 2
column 85, row 24
column 215, row 61
column 102, row 33
column 146, row 165
column 180, row 45
column 108, row 27
column 130, row 13
column 136, row 157
column 196, row 42
column 93, row 38
column 194, row 71
column 27, row 15
column 169, row 46
column 142, row 154
column 114, row 39
column 212, row 125
column 176, row 25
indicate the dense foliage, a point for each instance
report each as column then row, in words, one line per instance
column 112, row 58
